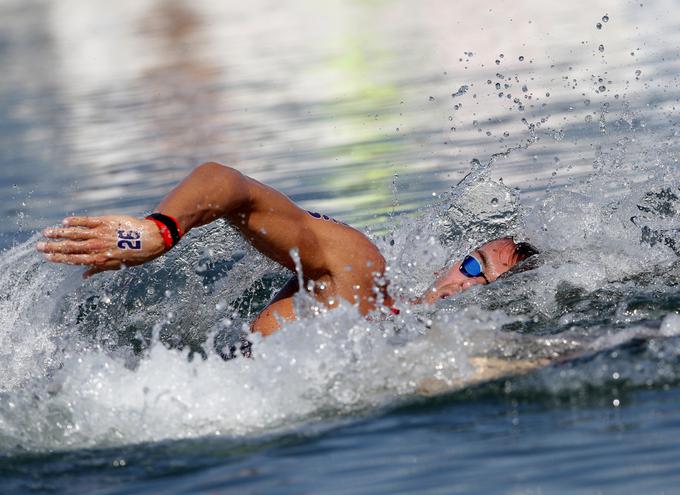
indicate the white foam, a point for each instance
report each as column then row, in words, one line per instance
column 670, row 325
column 70, row 378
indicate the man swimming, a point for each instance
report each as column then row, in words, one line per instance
column 341, row 261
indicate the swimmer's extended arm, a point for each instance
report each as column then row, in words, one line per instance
column 267, row 218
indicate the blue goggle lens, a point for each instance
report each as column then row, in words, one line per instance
column 471, row 267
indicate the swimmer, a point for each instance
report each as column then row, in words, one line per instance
column 341, row 261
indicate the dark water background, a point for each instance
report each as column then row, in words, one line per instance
column 371, row 112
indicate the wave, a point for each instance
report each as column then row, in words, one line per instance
column 148, row 354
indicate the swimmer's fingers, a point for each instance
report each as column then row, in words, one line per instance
column 90, row 222
column 75, row 233
column 70, row 247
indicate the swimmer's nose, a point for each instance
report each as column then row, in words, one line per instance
column 468, row 283
column 449, row 290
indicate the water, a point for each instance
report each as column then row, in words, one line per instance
column 558, row 379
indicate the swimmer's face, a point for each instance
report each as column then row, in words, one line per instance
column 496, row 257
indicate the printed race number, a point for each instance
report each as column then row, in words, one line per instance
column 129, row 239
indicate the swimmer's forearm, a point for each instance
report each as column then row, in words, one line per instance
column 110, row 242
column 210, row 192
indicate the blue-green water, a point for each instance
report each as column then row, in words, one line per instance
column 451, row 445
column 562, row 133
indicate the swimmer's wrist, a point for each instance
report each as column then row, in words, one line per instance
column 168, row 227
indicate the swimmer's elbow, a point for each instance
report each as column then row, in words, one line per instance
column 379, row 264
column 214, row 171
column 221, row 186
column 375, row 262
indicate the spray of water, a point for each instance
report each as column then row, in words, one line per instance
column 152, row 353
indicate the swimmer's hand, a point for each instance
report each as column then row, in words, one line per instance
column 102, row 243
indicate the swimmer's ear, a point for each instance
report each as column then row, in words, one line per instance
column 530, row 263
column 524, row 250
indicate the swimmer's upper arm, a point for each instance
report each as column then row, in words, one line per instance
column 275, row 226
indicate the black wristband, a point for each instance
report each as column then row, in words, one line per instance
column 170, row 223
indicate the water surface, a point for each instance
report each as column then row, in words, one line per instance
column 562, row 133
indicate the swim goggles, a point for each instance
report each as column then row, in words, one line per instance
column 471, row 267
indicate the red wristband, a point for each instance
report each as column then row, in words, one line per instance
column 165, row 233
column 168, row 227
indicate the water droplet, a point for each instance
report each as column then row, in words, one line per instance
column 505, row 134
column 525, row 89
column 498, row 85
column 547, row 95
column 431, row 98
column 494, row 201
column 461, row 91
column 521, row 58
column 601, row 48
column 498, row 62
column 638, row 72
column 589, row 119
column 598, row 25
column 602, row 88
column 605, row 18
column 586, row 102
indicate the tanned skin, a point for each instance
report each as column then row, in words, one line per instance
column 341, row 261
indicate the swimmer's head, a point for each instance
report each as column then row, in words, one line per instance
column 482, row 266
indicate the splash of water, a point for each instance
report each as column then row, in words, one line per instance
column 141, row 355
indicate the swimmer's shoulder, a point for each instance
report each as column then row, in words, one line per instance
column 352, row 252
